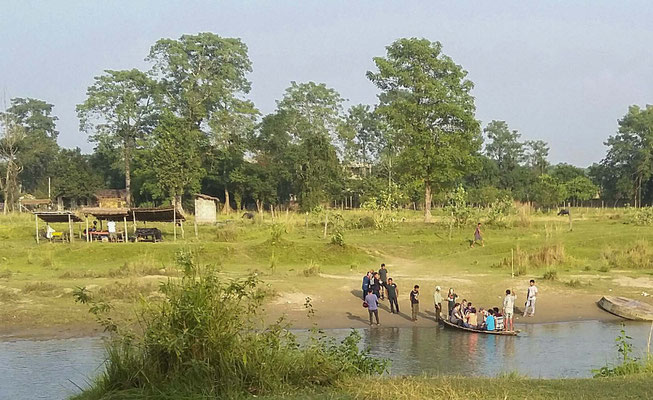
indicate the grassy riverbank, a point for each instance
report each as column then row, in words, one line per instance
column 602, row 255
column 450, row 388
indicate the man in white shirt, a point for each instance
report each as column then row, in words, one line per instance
column 530, row 299
column 508, row 309
column 111, row 226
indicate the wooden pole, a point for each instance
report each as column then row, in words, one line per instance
column 88, row 236
column 326, row 223
column 181, row 225
column 512, row 263
column 36, row 221
column 195, row 225
column 134, row 219
column 174, row 220
column 126, row 236
column 571, row 228
column 70, row 229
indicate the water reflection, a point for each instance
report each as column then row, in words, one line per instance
column 45, row 369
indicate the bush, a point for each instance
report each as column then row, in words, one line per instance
column 642, row 216
column 639, row 256
column 550, row 275
column 206, row 340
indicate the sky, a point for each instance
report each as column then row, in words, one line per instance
column 560, row 71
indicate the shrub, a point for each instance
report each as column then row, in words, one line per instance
column 543, row 257
column 642, row 216
column 205, row 341
column 574, row 283
column 39, row 288
column 629, row 365
column 639, row 256
column 312, row 270
column 550, row 275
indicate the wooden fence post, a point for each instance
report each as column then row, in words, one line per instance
column 36, row 220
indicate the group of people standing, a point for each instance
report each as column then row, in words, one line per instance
column 377, row 286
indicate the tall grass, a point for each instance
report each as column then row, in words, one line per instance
column 206, row 339
column 547, row 256
column 639, row 256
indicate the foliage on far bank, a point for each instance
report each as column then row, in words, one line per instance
column 206, row 338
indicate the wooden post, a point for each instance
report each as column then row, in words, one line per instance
column 181, row 225
column 36, row 220
column 134, row 219
column 571, row 228
column 306, row 223
column 326, row 223
column 125, row 237
column 195, row 224
column 174, row 220
column 512, row 263
column 88, row 236
column 70, row 229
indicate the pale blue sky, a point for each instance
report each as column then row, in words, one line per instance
column 561, row 71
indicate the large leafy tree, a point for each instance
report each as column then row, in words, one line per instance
column 364, row 135
column 580, row 189
column 312, row 114
column 425, row 98
column 630, row 151
column 120, row 110
column 74, row 177
column 548, row 192
column 204, row 78
column 507, row 152
column 38, row 146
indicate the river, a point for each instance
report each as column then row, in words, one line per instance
column 54, row 369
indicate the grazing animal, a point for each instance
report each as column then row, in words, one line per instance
column 563, row 212
column 248, row 215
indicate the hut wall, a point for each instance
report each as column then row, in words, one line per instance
column 205, row 211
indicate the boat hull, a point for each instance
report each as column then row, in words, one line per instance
column 627, row 308
column 449, row 325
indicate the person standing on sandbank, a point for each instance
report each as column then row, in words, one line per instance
column 383, row 275
column 393, row 292
column 414, row 302
column 531, row 296
column 372, row 305
column 437, row 300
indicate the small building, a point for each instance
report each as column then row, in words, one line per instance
column 206, row 209
column 111, row 198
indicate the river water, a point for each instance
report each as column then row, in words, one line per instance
column 53, row 369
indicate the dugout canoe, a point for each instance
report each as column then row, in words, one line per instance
column 449, row 325
column 627, row 308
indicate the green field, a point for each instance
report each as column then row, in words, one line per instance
column 602, row 254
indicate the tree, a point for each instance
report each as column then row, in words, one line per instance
column 631, row 150
column 566, row 172
column 74, row 177
column 425, row 98
column 312, row 115
column 38, row 146
column 538, row 151
column 506, row 150
column 175, row 157
column 580, row 189
column 200, row 74
column 120, row 110
column 12, row 135
column 204, row 77
column 548, row 192
column 363, row 134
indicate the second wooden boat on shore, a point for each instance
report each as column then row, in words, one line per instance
column 627, row 308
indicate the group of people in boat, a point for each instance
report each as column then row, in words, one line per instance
column 465, row 314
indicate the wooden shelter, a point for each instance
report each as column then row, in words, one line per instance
column 107, row 214
column 34, row 204
column 50, row 217
column 159, row 214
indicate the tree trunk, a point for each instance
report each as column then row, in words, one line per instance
column 427, row 203
column 226, row 209
column 177, row 203
column 259, row 206
column 128, row 179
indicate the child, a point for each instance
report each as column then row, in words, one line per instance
column 478, row 236
column 530, row 298
column 489, row 320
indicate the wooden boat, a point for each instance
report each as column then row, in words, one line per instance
column 449, row 325
column 627, row 308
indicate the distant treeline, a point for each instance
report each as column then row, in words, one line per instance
column 187, row 126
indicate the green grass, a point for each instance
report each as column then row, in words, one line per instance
column 602, row 246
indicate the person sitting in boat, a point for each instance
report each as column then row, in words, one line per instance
column 471, row 319
column 490, row 323
column 480, row 316
column 456, row 316
column 499, row 318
